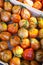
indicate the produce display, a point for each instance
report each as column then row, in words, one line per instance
column 21, row 35
column 38, row 4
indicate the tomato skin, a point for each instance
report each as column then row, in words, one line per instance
column 13, row 28
column 28, row 54
column 15, row 18
column 1, row 3
column 36, row 5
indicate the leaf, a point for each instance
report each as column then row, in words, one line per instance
column 14, row 24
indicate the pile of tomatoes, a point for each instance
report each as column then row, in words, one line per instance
column 23, row 32
column 38, row 4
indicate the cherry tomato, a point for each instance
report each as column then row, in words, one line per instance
column 17, row 51
column 5, row 36
column 5, row 16
column 15, row 18
column 23, row 33
column 16, row 9
column 25, row 43
column 5, row 55
column 41, row 33
column 13, row 28
column 33, row 32
column 36, row 5
column 15, row 61
column 14, row 41
column 28, row 54
column 35, row 44
column 3, row 45
column 25, row 14
column 7, row 6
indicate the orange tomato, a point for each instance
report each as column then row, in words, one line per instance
column 7, row 6
column 37, row 5
column 13, row 28
column 15, row 61
column 15, row 41
column 25, row 14
column 33, row 33
column 25, row 43
column 15, row 18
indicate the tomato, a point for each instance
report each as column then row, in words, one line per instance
column 15, row 18
column 41, row 42
column 16, row 9
column 17, row 51
column 3, row 45
column 23, row 33
column 5, row 55
column 14, row 41
column 15, row 61
column 13, row 28
column 5, row 36
column 36, row 5
column 24, row 23
column 28, row 54
column 33, row 22
column 35, row 44
column 41, row 33
column 7, row 6
column 5, row 16
column 25, row 43
column 3, row 26
column 25, row 14
column 33, row 33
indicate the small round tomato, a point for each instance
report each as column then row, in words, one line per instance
column 3, row 45
column 24, row 62
column 35, row 44
column 25, row 43
column 28, row 54
column 3, row 26
column 17, row 51
column 41, row 42
column 39, row 55
column 23, row 33
column 34, row 63
column 33, row 22
column 1, row 3
column 15, row 61
column 24, row 23
column 14, row 41
column 15, row 18
column 41, row 33
column 16, row 9
column 40, row 22
column 5, row 16
column 5, row 36
column 36, row 5
column 7, row 6
column 25, row 14
column 5, row 55
column 13, row 28
column 33, row 32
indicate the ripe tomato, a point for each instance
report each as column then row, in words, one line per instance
column 15, row 18
column 28, row 54
column 37, row 5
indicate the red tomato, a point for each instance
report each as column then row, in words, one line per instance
column 28, row 54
